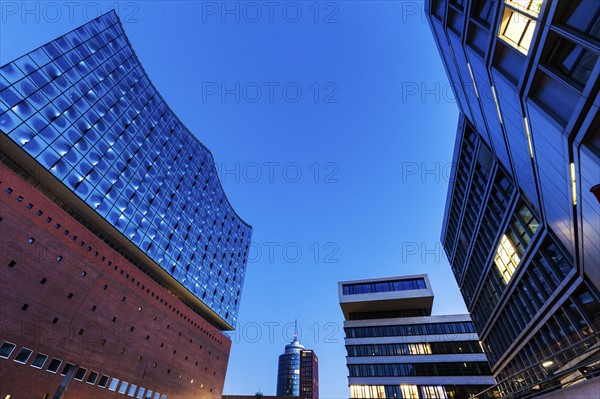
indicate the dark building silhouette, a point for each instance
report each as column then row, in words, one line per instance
column 309, row 374
column 122, row 260
column 521, row 227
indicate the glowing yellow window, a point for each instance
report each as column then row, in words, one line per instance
column 518, row 23
column 507, row 259
column 409, row 391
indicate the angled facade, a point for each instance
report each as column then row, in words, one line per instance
column 521, row 226
column 117, row 237
column 397, row 349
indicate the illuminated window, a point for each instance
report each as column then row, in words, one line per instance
column 409, row 391
column 434, row 392
column 367, row 391
column 419, row 349
column 518, row 22
column 507, row 259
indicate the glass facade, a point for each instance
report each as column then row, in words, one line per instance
column 418, row 348
column 408, row 391
column 410, row 329
column 288, row 371
column 85, row 110
column 384, row 286
column 419, row 369
column 522, row 243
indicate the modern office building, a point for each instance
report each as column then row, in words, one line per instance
column 122, row 260
column 522, row 225
column 397, row 349
column 309, row 374
column 288, row 369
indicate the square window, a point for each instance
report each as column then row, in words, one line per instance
column 54, row 365
column 149, row 394
column 23, row 355
column 39, row 360
column 92, row 378
column 80, row 374
column 6, row 349
column 132, row 389
column 103, row 381
column 140, row 394
column 123, row 387
column 113, row 384
column 67, row 368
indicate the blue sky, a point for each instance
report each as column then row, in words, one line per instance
column 332, row 125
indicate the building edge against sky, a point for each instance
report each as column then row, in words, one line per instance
column 117, row 153
column 521, row 227
column 397, row 349
column 117, row 237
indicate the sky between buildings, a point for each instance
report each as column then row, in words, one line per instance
column 332, row 125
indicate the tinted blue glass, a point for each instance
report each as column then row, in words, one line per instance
column 96, row 122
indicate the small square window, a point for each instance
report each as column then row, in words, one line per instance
column 80, row 374
column 19, row 198
column 29, row 206
column 11, row 263
column 103, row 381
column 39, row 360
column 6, row 349
column 31, row 240
column 8, row 190
column 23, row 355
column 113, row 384
column 54, row 365
column 40, row 213
column 92, row 377
column 59, row 258
column 67, row 368
column 123, row 387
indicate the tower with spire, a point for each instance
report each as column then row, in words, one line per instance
column 288, row 372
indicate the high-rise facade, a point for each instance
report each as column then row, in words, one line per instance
column 288, row 369
column 309, row 374
column 122, row 259
column 397, row 349
column 521, row 227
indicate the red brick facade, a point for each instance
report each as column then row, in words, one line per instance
column 67, row 294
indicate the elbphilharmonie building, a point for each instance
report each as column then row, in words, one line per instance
column 122, row 259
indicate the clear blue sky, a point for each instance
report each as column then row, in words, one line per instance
column 337, row 150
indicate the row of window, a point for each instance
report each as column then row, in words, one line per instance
column 548, row 268
column 80, row 373
column 482, row 171
column 497, row 205
column 461, row 327
column 507, row 258
column 67, row 232
column 384, row 286
column 468, row 147
column 387, row 314
column 423, row 348
column 577, row 318
column 419, row 369
column 551, row 337
column 408, row 391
